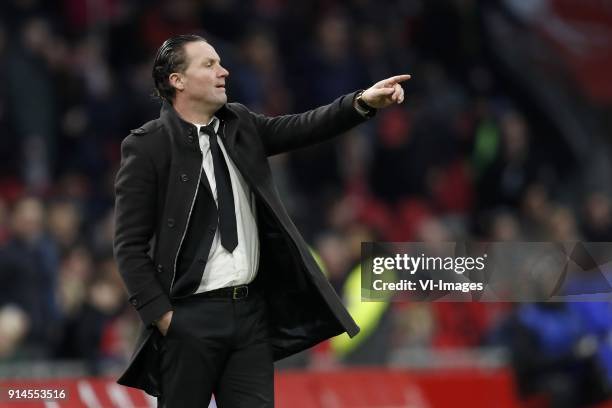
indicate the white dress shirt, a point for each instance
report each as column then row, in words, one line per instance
column 240, row 266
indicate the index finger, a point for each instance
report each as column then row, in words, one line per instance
column 397, row 79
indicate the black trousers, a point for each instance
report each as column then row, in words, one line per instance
column 217, row 346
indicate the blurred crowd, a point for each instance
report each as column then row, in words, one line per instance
column 461, row 159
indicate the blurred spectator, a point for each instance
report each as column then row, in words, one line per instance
column 554, row 352
column 29, row 271
column 35, row 119
column 335, row 256
column 503, row 225
column 536, row 207
column 258, row 78
column 92, row 297
column 75, row 272
column 13, row 328
column 562, row 225
column 64, row 224
column 597, row 217
column 505, row 180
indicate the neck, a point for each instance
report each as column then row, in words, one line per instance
column 193, row 112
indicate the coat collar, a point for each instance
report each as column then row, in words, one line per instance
column 185, row 134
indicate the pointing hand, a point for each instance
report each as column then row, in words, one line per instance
column 386, row 92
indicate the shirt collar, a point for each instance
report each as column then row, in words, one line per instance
column 214, row 120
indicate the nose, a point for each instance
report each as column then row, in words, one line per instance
column 224, row 72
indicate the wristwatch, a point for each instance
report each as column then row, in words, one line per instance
column 362, row 107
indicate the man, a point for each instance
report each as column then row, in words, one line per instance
column 230, row 285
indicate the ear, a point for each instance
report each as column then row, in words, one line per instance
column 176, row 80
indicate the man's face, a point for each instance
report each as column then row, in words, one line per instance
column 204, row 78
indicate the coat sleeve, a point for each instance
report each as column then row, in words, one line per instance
column 289, row 132
column 135, row 224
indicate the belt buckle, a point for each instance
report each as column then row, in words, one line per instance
column 237, row 290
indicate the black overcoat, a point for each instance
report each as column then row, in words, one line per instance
column 156, row 188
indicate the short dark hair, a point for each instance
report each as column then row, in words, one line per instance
column 170, row 58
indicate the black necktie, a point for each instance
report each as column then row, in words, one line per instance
column 225, row 196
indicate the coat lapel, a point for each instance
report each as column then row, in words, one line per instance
column 229, row 126
column 229, row 133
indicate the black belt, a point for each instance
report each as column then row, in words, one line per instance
column 230, row 292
